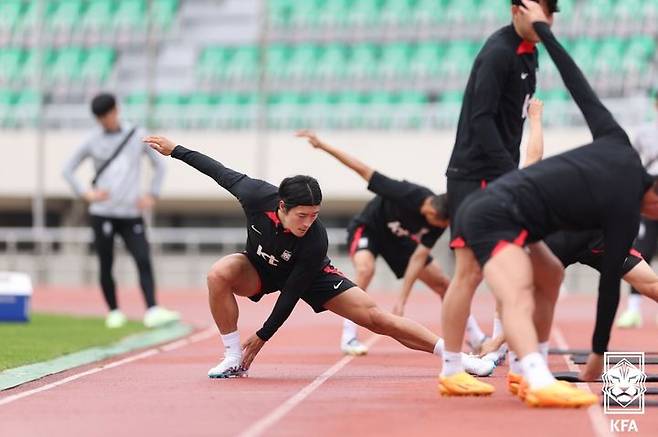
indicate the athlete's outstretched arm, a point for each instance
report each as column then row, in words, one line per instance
column 535, row 149
column 248, row 191
column 416, row 264
column 359, row 167
column 597, row 116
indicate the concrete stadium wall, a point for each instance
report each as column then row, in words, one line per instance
column 418, row 156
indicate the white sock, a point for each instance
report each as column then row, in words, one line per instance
column 349, row 331
column 232, row 346
column 634, row 302
column 515, row 364
column 543, row 350
column 497, row 328
column 536, row 371
column 475, row 334
column 438, row 347
column 452, row 363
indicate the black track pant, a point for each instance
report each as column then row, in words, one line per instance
column 133, row 233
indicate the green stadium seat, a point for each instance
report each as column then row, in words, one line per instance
column 164, row 12
column 33, row 66
column 449, row 107
column 584, row 51
column 426, row 60
column 167, row 109
column 32, row 15
column 135, row 107
column 459, row 57
column 597, row 11
column 280, row 12
column 11, row 60
column 397, row 12
column 98, row 64
column 567, row 8
column 609, row 56
column 243, row 64
column 284, row 110
column 65, row 15
column 639, row 54
column 278, row 58
column 497, row 11
column 130, row 14
column 66, row 65
column 99, row 15
column 26, row 107
column 395, row 60
column 381, row 107
column 237, row 110
column 200, row 111
column 363, row 61
column 333, row 13
column 462, row 11
column 429, row 12
column 303, row 60
column 411, row 107
column 363, row 13
column 307, row 13
column 349, row 111
column 7, row 99
column 10, row 13
column 212, row 62
column 332, row 62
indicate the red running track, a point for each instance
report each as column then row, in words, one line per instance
column 390, row 392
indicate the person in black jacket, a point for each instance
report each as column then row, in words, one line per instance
column 495, row 106
column 601, row 185
column 286, row 251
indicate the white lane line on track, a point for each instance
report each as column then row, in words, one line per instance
column 263, row 424
column 599, row 423
column 209, row 332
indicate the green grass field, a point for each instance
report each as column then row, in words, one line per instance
column 48, row 336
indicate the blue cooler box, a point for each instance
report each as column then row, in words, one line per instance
column 15, row 294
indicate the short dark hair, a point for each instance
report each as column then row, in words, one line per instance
column 102, row 104
column 300, row 190
column 552, row 5
column 440, row 204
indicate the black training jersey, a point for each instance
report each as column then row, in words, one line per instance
column 499, row 88
column 396, row 209
column 596, row 186
column 292, row 262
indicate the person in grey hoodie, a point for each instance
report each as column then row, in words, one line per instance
column 116, row 203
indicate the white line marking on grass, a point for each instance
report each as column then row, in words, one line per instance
column 147, row 353
column 599, row 422
column 261, row 426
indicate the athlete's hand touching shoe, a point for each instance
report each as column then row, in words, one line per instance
column 161, row 145
column 92, row 196
column 311, row 137
column 593, row 369
column 250, row 349
column 491, row 345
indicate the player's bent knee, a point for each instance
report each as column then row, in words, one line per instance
column 365, row 270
